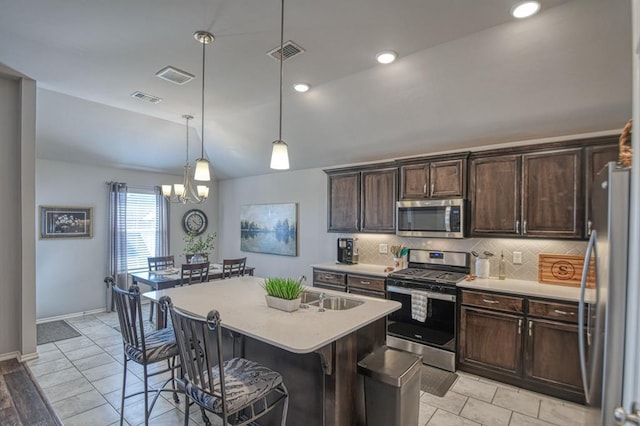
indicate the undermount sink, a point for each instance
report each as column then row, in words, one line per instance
column 335, row 303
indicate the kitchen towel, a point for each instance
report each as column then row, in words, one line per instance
column 419, row 304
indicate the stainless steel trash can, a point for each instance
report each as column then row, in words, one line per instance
column 391, row 387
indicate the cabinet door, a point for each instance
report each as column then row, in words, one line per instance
column 596, row 157
column 344, row 202
column 414, row 181
column 551, row 354
column 379, row 200
column 447, row 179
column 491, row 340
column 495, row 195
column 552, row 199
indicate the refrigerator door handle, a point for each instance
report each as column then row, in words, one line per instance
column 581, row 339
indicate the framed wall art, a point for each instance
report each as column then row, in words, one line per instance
column 66, row 222
column 269, row 228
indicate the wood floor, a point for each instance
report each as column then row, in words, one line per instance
column 21, row 401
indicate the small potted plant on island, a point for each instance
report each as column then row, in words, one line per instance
column 283, row 293
column 198, row 248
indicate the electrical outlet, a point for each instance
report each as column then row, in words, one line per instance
column 517, row 258
column 383, row 249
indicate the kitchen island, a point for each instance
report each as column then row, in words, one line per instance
column 316, row 352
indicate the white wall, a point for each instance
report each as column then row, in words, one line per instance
column 70, row 272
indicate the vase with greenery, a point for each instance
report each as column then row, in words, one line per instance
column 198, row 246
column 283, row 293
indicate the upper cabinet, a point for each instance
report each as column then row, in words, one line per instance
column 596, row 157
column 433, row 179
column 362, row 200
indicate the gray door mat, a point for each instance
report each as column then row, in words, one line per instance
column 53, row 331
column 435, row 381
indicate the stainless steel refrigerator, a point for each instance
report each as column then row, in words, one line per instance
column 602, row 314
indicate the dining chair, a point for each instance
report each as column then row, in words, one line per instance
column 237, row 390
column 188, row 257
column 233, row 267
column 144, row 349
column 159, row 263
column 195, row 273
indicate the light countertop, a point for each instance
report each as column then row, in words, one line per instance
column 358, row 268
column 528, row 288
column 243, row 309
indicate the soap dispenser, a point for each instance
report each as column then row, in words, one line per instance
column 502, row 270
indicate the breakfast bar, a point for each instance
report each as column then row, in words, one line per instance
column 316, row 352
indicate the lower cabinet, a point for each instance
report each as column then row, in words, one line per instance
column 361, row 284
column 329, row 280
column 535, row 347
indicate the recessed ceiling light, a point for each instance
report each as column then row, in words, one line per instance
column 524, row 9
column 301, row 87
column 386, row 57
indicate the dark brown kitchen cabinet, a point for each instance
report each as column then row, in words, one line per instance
column 535, row 194
column 329, row 279
column 527, row 342
column 596, row 157
column 433, row 179
column 362, row 200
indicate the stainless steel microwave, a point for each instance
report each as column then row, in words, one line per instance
column 431, row 218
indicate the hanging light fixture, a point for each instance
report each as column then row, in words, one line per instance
column 202, row 164
column 280, row 154
column 187, row 191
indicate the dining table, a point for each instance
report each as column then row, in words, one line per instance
column 169, row 278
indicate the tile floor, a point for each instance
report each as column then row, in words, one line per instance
column 83, row 376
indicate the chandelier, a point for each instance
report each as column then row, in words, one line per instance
column 280, row 154
column 186, row 192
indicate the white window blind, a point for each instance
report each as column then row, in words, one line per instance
column 142, row 229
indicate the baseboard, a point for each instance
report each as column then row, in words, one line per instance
column 10, row 355
column 29, row 357
column 67, row 316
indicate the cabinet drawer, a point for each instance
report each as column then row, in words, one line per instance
column 365, row 282
column 558, row 311
column 328, row 277
column 493, row 301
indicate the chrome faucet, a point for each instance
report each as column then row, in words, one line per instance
column 321, row 302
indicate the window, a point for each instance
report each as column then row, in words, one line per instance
column 142, row 229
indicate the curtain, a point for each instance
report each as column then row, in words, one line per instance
column 117, row 262
column 162, row 231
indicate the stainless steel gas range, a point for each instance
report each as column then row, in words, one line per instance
column 426, row 323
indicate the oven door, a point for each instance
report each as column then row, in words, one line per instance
column 439, row 328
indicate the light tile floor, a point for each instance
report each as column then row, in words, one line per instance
column 82, row 378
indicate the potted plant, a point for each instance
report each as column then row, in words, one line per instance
column 283, row 293
column 198, row 247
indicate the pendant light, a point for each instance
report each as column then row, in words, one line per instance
column 187, row 191
column 280, row 154
column 202, row 164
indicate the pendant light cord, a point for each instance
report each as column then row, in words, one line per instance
column 281, row 68
column 187, row 126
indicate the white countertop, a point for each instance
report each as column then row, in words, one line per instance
column 528, row 288
column 358, row 268
column 243, row 309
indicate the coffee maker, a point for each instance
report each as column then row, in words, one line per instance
column 347, row 251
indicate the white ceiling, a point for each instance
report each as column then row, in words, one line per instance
column 468, row 75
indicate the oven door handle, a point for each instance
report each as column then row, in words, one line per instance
column 429, row 294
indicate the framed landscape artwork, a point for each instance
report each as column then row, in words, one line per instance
column 66, row 222
column 269, row 228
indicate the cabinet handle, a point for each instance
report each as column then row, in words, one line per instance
column 517, row 226
column 588, row 228
column 520, row 326
column 530, row 328
column 524, row 227
column 424, row 188
column 365, row 282
column 490, row 301
column 433, row 187
column 558, row 311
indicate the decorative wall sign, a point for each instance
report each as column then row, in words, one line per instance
column 194, row 221
column 66, row 222
column 269, row 228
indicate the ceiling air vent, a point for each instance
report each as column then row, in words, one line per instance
column 175, row 75
column 289, row 49
column 145, row 97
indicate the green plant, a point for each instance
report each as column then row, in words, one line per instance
column 283, row 288
column 197, row 245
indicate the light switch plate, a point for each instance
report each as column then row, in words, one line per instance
column 517, row 258
column 383, row 249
